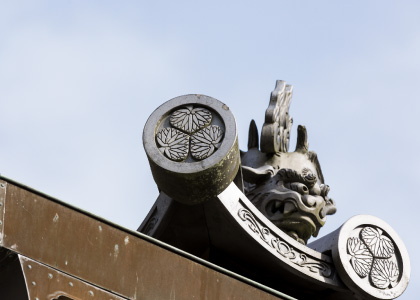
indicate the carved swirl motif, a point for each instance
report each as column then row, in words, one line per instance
column 284, row 249
column 263, row 232
column 373, row 254
column 194, row 122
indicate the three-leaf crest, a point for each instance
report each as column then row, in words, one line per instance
column 373, row 254
column 190, row 125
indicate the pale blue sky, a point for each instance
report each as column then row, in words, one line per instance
column 78, row 80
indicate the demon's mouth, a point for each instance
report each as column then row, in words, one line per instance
column 286, row 216
column 300, row 215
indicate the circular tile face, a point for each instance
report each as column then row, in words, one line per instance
column 189, row 134
column 371, row 258
column 191, row 143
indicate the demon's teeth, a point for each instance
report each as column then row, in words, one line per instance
column 289, row 208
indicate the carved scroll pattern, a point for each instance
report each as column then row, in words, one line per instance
column 192, row 132
column 374, row 254
column 283, row 248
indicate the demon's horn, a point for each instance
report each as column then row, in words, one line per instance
column 302, row 140
column 252, row 135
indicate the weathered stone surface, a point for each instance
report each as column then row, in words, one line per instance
column 192, row 146
column 370, row 257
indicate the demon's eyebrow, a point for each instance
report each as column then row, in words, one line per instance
column 289, row 175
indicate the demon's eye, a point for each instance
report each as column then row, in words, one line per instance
column 297, row 187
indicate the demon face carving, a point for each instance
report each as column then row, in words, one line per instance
column 288, row 188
